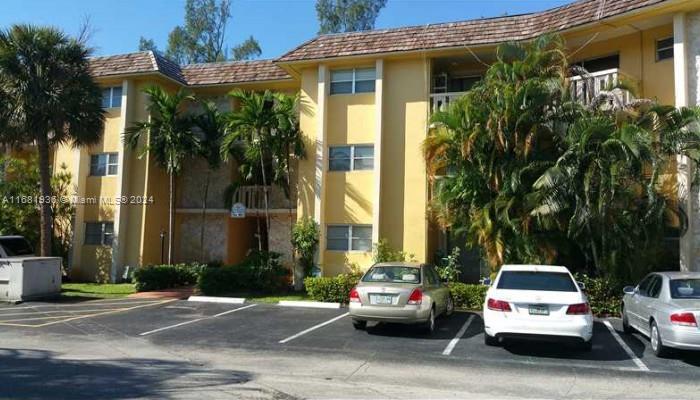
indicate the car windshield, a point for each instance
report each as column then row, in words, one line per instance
column 531, row 280
column 393, row 274
column 15, row 247
column 685, row 288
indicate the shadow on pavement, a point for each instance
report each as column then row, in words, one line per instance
column 36, row 374
column 446, row 328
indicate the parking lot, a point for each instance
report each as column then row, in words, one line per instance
column 274, row 328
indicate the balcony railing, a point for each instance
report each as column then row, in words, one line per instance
column 586, row 88
column 440, row 101
column 253, row 197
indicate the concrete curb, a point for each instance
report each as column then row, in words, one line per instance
column 211, row 299
column 307, row 304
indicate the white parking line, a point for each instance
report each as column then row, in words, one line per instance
column 458, row 336
column 640, row 364
column 195, row 320
column 313, row 328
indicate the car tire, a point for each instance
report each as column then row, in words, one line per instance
column 359, row 324
column 450, row 308
column 429, row 326
column 657, row 345
column 490, row 340
column 587, row 345
column 626, row 323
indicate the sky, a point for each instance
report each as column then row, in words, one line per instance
column 278, row 25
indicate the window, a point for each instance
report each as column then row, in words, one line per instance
column 530, row 280
column 104, row 164
column 655, row 286
column 664, row 49
column 685, row 288
column 392, row 274
column 356, row 80
column 112, row 97
column 599, row 64
column 351, row 158
column 16, row 246
column 349, row 237
column 644, row 285
column 99, row 233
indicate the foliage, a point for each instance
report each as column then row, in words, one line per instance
column 451, row 267
column 468, row 296
column 537, row 177
column 63, row 211
column 383, row 252
column 331, row 289
column 157, row 277
column 201, row 38
column 97, row 290
column 305, row 236
column 260, row 272
column 347, row 15
column 604, row 294
column 36, row 61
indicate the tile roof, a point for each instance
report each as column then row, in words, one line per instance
column 194, row 74
column 465, row 33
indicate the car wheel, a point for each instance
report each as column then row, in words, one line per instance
column 625, row 322
column 587, row 345
column 490, row 340
column 657, row 344
column 430, row 323
column 359, row 325
column 450, row 306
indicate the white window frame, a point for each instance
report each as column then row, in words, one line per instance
column 352, row 157
column 660, row 49
column 111, row 96
column 353, row 80
column 107, row 163
column 103, row 233
column 350, row 237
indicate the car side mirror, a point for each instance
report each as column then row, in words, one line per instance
column 629, row 290
column 581, row 286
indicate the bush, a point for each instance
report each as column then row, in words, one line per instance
column 331, row 289
column 471, row 297
column 604, row 294
column 383, row 252
column 259, row 273
column 156, row 277
column 305, row 238
column 450, row 268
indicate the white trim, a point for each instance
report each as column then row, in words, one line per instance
column 212, row 299
column 378, row 104
column 307, row 304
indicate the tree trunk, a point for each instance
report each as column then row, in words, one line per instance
column 171, row 219
column 257, row 221
column 45, row 203
column 204, row 217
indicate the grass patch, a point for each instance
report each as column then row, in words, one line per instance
column 97, row 290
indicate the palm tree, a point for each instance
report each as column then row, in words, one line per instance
column 167, row 137
column 47, row 98
column 212, row 125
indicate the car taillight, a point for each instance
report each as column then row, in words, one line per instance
column 498, row 305
column 354, row 296
column 578, row 309
column 416, row 297
column 684, row 319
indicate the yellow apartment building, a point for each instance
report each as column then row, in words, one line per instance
column 367, row 98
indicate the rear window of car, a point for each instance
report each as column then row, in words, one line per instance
column 685, row 288
column 531, row 280
column 393, row 274
column 15, row 247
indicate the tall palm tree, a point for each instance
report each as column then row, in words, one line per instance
column 212, row 125
column 167, row 137
column 47, row 98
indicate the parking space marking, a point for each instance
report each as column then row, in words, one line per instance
column 313, row 328
column 73, row 317
column 96, row 303
column 195, row 320
column 640, row 364
column 458, row 336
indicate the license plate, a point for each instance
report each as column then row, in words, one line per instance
column 381, row 299
column 537, row 309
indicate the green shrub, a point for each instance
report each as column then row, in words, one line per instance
column 156, row 277
column 258, row 273
column 331, row 289
column 305, row 236
column 450, row 268
column 383, row 252
column 468, row 296
column 604, row 294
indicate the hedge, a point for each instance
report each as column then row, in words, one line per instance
column 331, row 289
column 604, row 295
column 157, row 277
column 255, row 274
column 471, row 297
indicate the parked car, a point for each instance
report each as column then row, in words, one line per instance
column 407, row 293
column 15, row 246
column 537, row 302
column 665, row 307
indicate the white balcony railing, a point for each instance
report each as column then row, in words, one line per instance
column 440, row 101
column 586, row 88
column 253, row 197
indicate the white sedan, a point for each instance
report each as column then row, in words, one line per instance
column 537, row 302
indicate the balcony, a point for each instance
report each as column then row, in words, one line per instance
column 253, row 197
column 440, row 101
column 586, row 88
